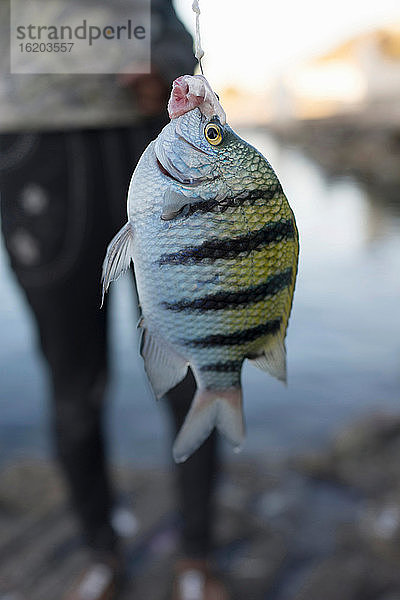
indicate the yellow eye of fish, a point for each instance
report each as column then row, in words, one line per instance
column 213, row 134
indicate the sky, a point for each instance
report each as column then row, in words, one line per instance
column 250, row 43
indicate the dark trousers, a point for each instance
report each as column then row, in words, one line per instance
column 63, row 197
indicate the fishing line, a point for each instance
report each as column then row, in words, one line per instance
column 199, row 52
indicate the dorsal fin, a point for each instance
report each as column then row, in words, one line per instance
column 273, row 359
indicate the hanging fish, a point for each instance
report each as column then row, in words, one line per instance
column 215, row 250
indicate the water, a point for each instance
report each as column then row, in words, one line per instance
column 343, row 339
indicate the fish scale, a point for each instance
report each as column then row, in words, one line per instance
column 252, row 268
column 215, row 248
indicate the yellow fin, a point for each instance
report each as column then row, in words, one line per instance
column 273, row 359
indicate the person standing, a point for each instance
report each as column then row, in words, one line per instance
column 68, row 146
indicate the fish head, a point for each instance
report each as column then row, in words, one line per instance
column 194, row 91
column 183, row 151
column 182, row 148
column 197, row 149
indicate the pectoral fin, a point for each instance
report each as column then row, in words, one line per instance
column 118, row 257
column 175, row 201
column 164, row 368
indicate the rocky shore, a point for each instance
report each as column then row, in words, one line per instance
column 365, row 144
column 323, row 525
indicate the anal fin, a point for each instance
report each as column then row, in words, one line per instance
column 164, row 368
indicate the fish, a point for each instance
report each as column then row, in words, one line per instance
column 215, row 246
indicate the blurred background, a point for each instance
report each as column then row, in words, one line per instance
column 316, row 88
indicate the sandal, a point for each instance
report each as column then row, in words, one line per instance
column 194, row 580
column 100, row 581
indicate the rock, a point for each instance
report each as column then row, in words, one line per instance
column 351, row 576
column 324, row 526
column 364, row 456
column 355, row 144
column 337, row 578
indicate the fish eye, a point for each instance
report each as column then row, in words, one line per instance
column 213, row 134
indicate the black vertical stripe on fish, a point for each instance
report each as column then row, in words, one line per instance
column 211, row 250
column 238, row 337
column 229, row 366
column 233, row 299
column 245, row 197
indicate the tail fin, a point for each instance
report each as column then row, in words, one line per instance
column 118, row 257
column 211, row 408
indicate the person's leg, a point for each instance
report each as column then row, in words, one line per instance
column 73, row 342
column 53, row 223
column 194, row 576
column 196, row 479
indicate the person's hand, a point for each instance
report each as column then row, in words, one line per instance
column 150, row 91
